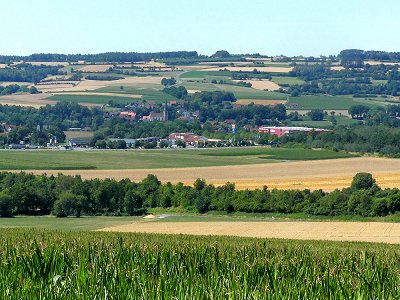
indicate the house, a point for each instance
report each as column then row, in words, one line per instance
column 188, row 138
column 281, row 131
column 129, row 115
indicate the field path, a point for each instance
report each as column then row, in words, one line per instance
column 333, row 231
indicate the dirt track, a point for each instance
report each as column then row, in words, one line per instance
column 333, row 231
column 320, row 174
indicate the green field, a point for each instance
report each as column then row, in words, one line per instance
column 287, row 80
column 92, row 99
column 202, row 74
column 151, row 159
column 239, row 91
column 327, row 102
column 148, row 94
column 40, row 264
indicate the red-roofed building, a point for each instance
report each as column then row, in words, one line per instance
column 130, row 115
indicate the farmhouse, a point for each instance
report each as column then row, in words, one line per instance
column 281, row 131
column 129, row 115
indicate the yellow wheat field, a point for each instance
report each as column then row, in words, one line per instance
column 32, row 100
column 321, row 174
column 262, row 84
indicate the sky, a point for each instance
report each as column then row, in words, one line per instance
column 269, row 27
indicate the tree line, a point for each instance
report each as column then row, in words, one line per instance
column 61, row 195
column 117, row 57
column 28, row 73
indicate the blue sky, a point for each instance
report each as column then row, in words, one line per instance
column 289, row 27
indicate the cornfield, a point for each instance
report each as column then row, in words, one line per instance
column 36, row 264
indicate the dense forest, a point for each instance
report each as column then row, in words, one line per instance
column 63, row 196
column 27, row 72
column 117, row 57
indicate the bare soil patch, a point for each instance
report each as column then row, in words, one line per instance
column 332, row 231
column 319, row 174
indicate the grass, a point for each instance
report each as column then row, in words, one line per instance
column 38, row 264
column 238, row 91
column 148, row 94
column 287, row 80
column 282, row 153
column 326, row 102
column 152, row 159
column 92, row 99
column 202, row 74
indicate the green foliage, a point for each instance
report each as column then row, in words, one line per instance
column 316, row 115
column 67, row 196
column 69, row 204
column 363, row 181
column 7, row 205
column 62, row 265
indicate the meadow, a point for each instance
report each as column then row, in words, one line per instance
column 287, row 80
column 90, row 99
column 151, row 159
column 327, row 102
column 38, row 264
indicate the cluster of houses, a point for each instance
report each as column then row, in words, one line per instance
column 174, row 140
column 134, row 111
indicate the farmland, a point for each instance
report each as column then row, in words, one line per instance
column 152, row 159
column 91, row 265
column 326, row 102
column 90, row 99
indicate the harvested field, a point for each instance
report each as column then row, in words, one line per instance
column 260, row 101
column 48, row 63
column 94, row 68
column 32, row 100
column 320, row 174
column 386, row 63
column 333, row 231
column 250, row 69
column 337, row 68
column 258, row 58
column 5, row 83
column 262, row 84
column 338, row 112
column 100, row 94
column 90, row 85
column 213, row 63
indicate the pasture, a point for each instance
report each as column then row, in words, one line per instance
column 287, row 80
column 98, row 265
column 326, row 102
